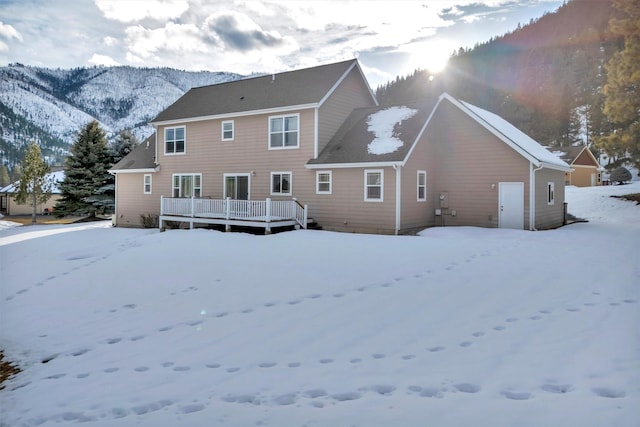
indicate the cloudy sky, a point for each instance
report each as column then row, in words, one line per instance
column 390, row 38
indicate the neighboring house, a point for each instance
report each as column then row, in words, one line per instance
column 319, row 136
column 587, row 171
column 9, row 206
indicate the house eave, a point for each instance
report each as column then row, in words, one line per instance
column 273, row 110
column 352, row 165
column 141, row 170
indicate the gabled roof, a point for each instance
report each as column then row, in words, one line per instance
column 576, row 152
column 140, row 159
column 355, row 140
column 509, row 134
column 349, row 146
column 53, row 177
column 306, row 87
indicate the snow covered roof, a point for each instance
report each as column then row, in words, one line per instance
column 513, row 136
column 375, row 135
column 55, row 177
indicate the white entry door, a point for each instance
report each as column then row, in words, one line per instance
column 511, row 205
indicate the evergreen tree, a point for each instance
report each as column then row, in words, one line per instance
column 622, row 90
column 34, row 186
column 4, row 176
column 124, row 143
column 88, row 187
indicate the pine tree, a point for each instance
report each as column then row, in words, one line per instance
column 622, row 90
column 4, row 176
column 34, row 186
column 124, row 143
column 88, row 187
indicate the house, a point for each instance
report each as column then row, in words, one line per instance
column 278, row 149
column 587, row 171
column 9, row 206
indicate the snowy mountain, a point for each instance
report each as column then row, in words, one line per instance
column 51, row 105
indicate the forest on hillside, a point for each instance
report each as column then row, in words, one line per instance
column 546, row 77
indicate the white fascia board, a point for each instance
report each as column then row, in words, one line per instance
column 352, row 165
column 146, row 170
column 236, row 114
column 556, row 167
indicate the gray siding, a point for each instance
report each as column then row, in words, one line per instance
column 549, row 216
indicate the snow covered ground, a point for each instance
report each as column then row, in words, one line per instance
column 456, row 327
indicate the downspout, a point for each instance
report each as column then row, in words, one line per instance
column 398, row 169
column 532, row 196
column 315, row 134
column 114, row 220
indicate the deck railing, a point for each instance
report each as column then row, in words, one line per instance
column 231, row 209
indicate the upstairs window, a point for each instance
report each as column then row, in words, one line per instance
column 422, row 186
column 227, row 130
column 323, row 182
column 174, row 140
column 283, row 132
column 280, row 183
column 373, row 185
column 550, row 193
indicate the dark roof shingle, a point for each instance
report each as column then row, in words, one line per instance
column 299, row 87
column 142, row 157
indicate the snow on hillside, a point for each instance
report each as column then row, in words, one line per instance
column 62, row 101
column 454, row 327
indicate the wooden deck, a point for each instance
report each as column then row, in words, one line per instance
column 229, row 212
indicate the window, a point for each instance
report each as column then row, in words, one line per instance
column 323, row 182
column 280, row 183
column 422, row 186
column 373, row 185
column 283, row 132
column 147, row 183
column 550, row 193
column 187, row 185
column 174, row 141
column 227, row 130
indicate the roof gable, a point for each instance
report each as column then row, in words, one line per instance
column 52, row 177
column 509, row 134
column 309, row 86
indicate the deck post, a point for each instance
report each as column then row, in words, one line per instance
column 227, row 214
column 160, row 221
column 306, row 214
column 193, row 206
column 267, row 216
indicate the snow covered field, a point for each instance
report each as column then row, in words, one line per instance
column 456, row 327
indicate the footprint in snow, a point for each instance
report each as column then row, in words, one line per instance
column 408, row 356
column 181, row 368
column 165, row 328
column 111, row 370
column 516, row 395
column 114, row 340
column 557, row 388
column 610, row 393
column 629, row 301
column 499, row 328
column 325, row 361
column 267, row 364
column 213, row 365
column 314, row 393
column 167, row 364
column 478, row 334
column 141, row 369
column 436, row 349
column 294, row 364
column 467, row 387
column 343, row 397
column 511, row 319
column 430, row 392
column 80, row 352
column 535, row 317
column 465, row 344
column 137, row 338
column 384, row 390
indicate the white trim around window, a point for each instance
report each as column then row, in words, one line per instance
column 323, row 182
column 227, row 130
column 186, row 185
column 175, row 140
column 284, row 132
column 421, row 186
column 551, row 193
column 281, row 183
column 373, row 185
column 146, row 183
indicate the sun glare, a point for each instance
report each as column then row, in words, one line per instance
column 432, row 56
